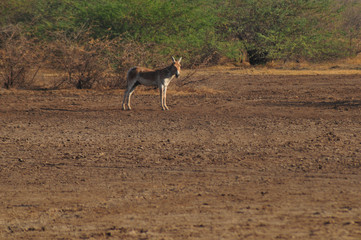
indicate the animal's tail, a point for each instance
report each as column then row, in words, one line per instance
column 131, row 74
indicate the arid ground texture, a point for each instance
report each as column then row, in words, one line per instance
column 237, row 156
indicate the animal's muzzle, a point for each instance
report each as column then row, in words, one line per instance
column 177, row 74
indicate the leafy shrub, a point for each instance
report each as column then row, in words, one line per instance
column 284, row 29
column 120, row 34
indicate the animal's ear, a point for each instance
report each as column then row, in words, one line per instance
column 173, row 59
column 180, row 59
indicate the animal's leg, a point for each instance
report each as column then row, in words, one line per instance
column 165, row 97
column 127, row 94
column 131, row 93
column 161, row 92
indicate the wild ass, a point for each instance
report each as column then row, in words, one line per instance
column 148, row 77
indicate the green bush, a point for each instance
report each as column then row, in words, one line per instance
column 265, row 29
column 284, row 29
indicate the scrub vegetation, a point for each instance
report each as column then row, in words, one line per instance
column 87, row 38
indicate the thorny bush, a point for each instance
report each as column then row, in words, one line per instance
column 20, row 58
column 80, row 58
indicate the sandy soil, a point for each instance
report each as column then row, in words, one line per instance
column 238, row 156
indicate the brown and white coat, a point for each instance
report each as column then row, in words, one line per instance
column 159, row 78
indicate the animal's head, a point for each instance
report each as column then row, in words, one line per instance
column 176, row 66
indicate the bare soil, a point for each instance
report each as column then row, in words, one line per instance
column 238, row 156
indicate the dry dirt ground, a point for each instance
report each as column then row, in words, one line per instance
column 238, row 156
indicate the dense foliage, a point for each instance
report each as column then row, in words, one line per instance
column 145, row 31
column 272, row 29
